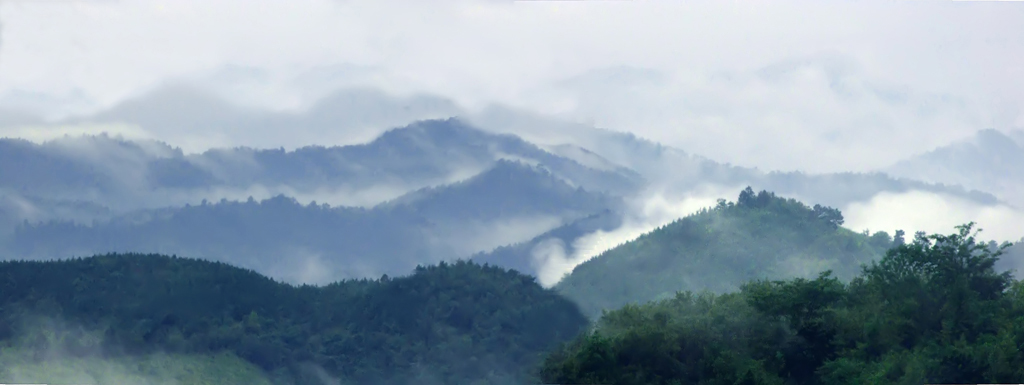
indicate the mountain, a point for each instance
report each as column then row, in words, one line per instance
column 759, row 236
column 423, row 153
column 676, row 171
column 314, row 243
column 839, row 190
column 507, row 189
column 126, row 175
column 449, row 323
column 103, row 170
column 990, row 161
column 359, row 114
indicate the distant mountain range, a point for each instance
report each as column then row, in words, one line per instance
column 316, row 243
column 492, row 186
column 672, row 170
column 126, row 174
column 991, row 161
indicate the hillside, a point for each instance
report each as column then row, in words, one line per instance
column 759, row 236
column 449, row 323
column 933, row 311
column 314, row 243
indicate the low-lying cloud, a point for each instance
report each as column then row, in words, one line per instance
column 753, row 84
column 42, row 133
column 933, row 213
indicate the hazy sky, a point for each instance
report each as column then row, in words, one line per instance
column 819, row 86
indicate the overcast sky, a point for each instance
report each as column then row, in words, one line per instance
column 818, row 86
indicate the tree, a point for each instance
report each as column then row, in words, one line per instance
column 952, row 276
column 746, row 198
column 932, row 311
column 898, row 239
column 833, row 217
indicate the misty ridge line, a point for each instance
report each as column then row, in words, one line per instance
column 178, row 98
column 651, row 167
column 437, row 213
column 569, row 162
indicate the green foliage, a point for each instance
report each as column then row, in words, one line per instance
column 930, row 311
column 760, row 236
column 691, row 339
column 450, row 323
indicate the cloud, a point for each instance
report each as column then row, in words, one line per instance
column 933, row 213
column 781, row 85
column 41, row 133
column 301, row 266
column 466, row 237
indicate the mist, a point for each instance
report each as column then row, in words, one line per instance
column 810, row 85
column 57, row 351
column 934, row 213
column 312, row 148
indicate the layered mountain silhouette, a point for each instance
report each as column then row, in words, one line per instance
column 315, row 243
column 427, row 191
column 673, row 170
column 115, row 172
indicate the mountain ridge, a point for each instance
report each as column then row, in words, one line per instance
column 281, row 235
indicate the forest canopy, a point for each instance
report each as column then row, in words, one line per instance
column 933, row 310
column 447, row 323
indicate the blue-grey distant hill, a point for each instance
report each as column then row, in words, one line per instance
column 671, row 169
column 494, row 187
column 116, row 172
column 283, row 238
column 991, row 161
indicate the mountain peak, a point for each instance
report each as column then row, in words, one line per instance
column 437, row 131
column 994, row 139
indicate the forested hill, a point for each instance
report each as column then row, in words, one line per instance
column 450, row 323
column 931, row 311
column 759, row 236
